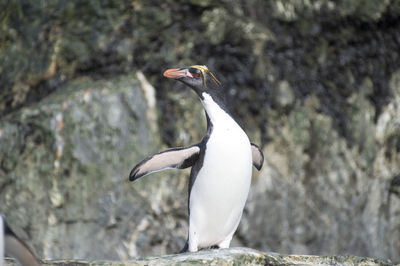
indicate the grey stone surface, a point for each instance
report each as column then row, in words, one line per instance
column 316, row 193
column 232, row 256
column 315, row 83
column 65, row 167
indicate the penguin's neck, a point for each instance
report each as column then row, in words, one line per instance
column 217, row 112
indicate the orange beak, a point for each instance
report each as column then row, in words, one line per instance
column 177, row 73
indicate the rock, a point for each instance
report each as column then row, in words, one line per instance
column 43, row 45
column 65, row 165
column 315, row 187
column 284, row 95
column 316, row 83
column 232, row 256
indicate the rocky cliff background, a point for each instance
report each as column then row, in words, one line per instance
column 82, row 99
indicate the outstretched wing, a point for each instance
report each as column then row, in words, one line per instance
column 16, row 248
column 179, row 158
column 2, row 244
column 258, row 156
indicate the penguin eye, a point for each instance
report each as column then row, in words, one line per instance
column 196, row 75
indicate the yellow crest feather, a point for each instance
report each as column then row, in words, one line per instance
column 204, row 70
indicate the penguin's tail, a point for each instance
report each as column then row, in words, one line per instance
column 185, row 247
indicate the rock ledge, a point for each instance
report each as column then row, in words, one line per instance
column 232, row 256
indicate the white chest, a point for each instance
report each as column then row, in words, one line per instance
column 220, row 191
column 228, row 151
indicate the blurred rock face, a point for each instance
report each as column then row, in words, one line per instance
column 316, row 194
column 316, row 82
column 67, row 160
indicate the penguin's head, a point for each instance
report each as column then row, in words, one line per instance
column 199, row 78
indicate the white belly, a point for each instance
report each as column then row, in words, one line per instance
column 220, row 191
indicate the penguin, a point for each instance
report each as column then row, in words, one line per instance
column 221, row 165
column 2, row 240
column 12, row 246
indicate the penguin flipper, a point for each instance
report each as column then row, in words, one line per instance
column 2, row 245
column 258, row 156
column 16, row 248
column 178, row 158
